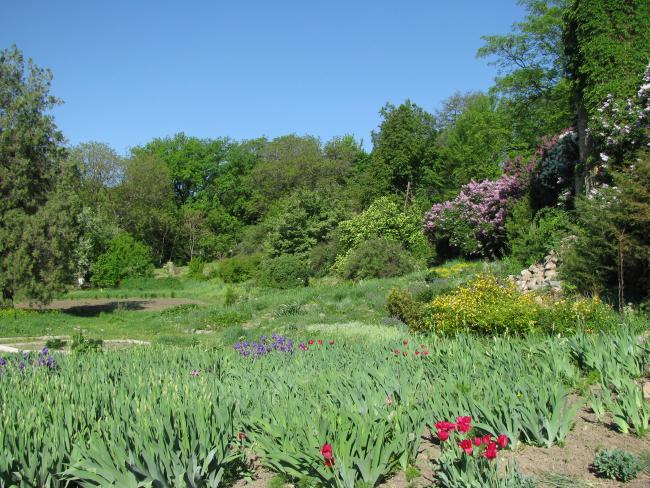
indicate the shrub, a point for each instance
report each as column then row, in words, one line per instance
column 238, row 268
column 227, row 318
column 377, row 258
column 530, row 241
column 483, row 306
column 473, row 223
column 617, row 464
column 82, row 344
column 195, row 269
column 125, row 258
column 285, row 271
column 322, row 258
column 555, row 160
column 567, row 316
column 230, row 297
column 302, row 220
column 403, row 306
column 384, row 218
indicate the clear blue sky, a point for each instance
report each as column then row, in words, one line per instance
column 129, row 71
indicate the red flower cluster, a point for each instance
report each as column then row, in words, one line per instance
column 419, row 352
column 311, row 342
column 328, row 454
column 463, row 425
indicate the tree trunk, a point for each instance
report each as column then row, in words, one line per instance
column 581, row 174
column 621, row 282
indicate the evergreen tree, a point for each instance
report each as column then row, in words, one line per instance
column 37, row 204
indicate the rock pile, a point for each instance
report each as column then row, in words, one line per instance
column 540, row 276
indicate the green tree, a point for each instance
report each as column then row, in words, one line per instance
column 302, row 220
column 403, row 148
column 125, row 258
column 612, row 246
column 607, row 47
column 100, row 167
column 289, row 163
column 472, row 147
column 532, row 76
column 193, row 163
column 146, row 208
column 37, row 203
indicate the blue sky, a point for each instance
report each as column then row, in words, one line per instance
column 130, row 71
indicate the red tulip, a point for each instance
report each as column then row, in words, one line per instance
column 466, row 445
column 426, row 352
column 491, row 451
column 417, row 353
column 331, row 343
column 326, row 451
column 320, row 342
column 478, row 441
column 310, row 342
column 443, row 435
column 502, row 440
column 487, row 439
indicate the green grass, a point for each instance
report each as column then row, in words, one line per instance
column 327, row 304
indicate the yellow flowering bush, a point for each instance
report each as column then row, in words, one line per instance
column 567, row 316
column 482, row 306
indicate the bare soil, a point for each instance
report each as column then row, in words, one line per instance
column 93, row 307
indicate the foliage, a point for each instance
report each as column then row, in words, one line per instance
column 303, row 220
column 386, row 220
column 616, row 464
column 530, row 62
column 146, row 206
column 292, row 162
column 38, row 228
column 196, row 268
column 403, row 148
column 377, row 258
column 608, row 47
column 125, row 258
column 553, row 176
column 190, row 161
column 81, row 344
column 238, row 268
column 402, row 305
column 367, row 403
column 472, row 148
column 284, row 271
column 473, row 223
column 529, row 241
column 483, row 306
column 322, row 257
column 612, row 239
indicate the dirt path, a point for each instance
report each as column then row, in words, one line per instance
column 92, row 307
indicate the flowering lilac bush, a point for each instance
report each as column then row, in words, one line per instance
column 264, row 346
column 473, row 223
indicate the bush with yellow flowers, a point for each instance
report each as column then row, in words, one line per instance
column 482, row 306
column 567, row 316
